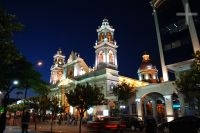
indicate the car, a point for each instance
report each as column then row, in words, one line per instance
column 184, row 124
column 106, row 124
column 133, row 122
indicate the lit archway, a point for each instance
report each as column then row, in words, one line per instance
column 153, row 104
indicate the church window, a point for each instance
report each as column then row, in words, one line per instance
column 109, row 37
column 150, row 76
column 100, row 57
column 111, row 57
column 70, row 73
column 59, row 73
column 101, row 37
column 143, row 76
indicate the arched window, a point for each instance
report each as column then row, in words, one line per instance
column 111, row 57
column 109, row 37
column 101, row 36
column 100, row 57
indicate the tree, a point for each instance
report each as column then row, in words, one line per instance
column 189, row 84
column 13, row 65
column 82, row 97
column 123, row 91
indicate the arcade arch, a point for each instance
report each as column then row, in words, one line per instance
column 154, row 104
column 157, row 100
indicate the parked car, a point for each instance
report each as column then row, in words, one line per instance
column 133, row 122
column 106, row 124
column 185, row 124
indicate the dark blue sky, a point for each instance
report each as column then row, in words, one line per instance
column 71, row 25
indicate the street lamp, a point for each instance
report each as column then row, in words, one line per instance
column 15, row 82
column 39, row 63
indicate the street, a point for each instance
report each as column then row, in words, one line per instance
column 46, row 128
column 14, row 126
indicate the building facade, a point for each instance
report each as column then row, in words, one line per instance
column 159, row 99
column 177, row 27
column 66, row 74
column 153, row 97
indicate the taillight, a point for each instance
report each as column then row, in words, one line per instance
column 111, row 126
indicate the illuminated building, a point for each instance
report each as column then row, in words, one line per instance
column 65, row 74
column 153, row 96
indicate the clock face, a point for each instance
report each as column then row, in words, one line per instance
column 60, row 62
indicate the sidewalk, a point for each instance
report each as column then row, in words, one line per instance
column 46, row 128
column 14, row 126
column 63, row 128
column 16, row 129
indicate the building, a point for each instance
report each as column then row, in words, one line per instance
column 178, row 31
column 65, row 74
column 177, row 25
column 154, row 96
column 159, row 99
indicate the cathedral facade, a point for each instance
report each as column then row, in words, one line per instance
column 152, row 95
column 66, row 73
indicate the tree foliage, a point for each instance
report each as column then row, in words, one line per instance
column 9, row 54
column 13, row 65
column 39, row 103
column 189, row 83
column 124, row 91
column 83, row 97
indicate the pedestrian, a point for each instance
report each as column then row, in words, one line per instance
column 2, row 122
column 150, row 124
column 25, row 122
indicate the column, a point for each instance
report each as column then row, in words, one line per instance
column 139, row 107
column 154, row 109
column 169, row 107
column 96, row 58
column 115, row 54
column 162, row 60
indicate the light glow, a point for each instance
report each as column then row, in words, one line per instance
column 39, row 63
column 15, row 82
column 105, row 112
column 90, row 110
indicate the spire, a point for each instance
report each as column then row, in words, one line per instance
column 57, row 67
column 145, row 56
column 105, row 22
column 105, row 26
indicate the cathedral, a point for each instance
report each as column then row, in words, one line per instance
column 152, row 95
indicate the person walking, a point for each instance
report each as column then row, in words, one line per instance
column 150, row 124
column 2, row 122
column 25, row 122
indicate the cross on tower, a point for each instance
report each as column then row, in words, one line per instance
column 187, row 14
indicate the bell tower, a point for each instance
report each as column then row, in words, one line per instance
column 57, row 67
column 105, row 47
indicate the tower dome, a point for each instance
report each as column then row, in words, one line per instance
column 147, row 72
column 146, row 62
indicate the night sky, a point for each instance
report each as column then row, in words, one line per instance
column 71, row 25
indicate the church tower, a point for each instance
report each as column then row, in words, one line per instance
column 57, row 67
column 147, row 72
column 105, row 47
